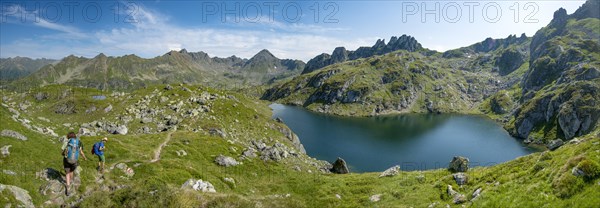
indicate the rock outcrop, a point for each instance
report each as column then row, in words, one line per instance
column 226, row 161
column 20, row 194
column 340, row 167
column 340, row 54
column 457, row 198
column 459, row 164
column 199, row 185
column 390, row 171
column 13, row 134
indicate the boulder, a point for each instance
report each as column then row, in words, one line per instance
column 199, row 185
column 20, row 195
column 91, row 109
column 460, row 178
column 126, row 170
column 49, row 174
column 340, row 167
column 554, row 144
column 52, row 188
column 108, row 108
column 5, row 150
column 67, row 107
column 476, row 194
column 375, row 198
column 13, row 134
column 226, row 161
column 217, row 132
column 457, row 198
column 40, row 96
column 391, row 171
column 9, row 172
column 229, row 180
column 121, row 129
column 577, row 172
column 459, row 164
column 270, row 153
column 249, row 153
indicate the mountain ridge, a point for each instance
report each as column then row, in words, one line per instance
column 131, row 71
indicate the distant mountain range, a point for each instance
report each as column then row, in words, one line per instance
column 17, row 67
column 131, row 71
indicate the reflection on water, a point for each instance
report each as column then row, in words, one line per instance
column 414, row 141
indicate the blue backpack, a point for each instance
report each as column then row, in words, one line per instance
column 96, row 148
column 73, row 146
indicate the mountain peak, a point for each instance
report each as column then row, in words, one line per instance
column 264, row 53
column 340, row 54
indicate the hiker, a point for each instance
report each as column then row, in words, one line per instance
column 71, row 150
column 98, row 150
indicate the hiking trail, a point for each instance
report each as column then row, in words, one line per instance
column 160, row 148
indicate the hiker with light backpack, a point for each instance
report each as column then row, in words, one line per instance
column 98, row 149
column 71, row 151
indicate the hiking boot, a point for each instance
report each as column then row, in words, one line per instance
column 67, row 191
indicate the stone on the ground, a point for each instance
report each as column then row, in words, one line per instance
column 108, row 108
column 460, row 178
column 457, row 198
column 52, row 188
column 375, row 198
column 577, row 172
column 226, row 161
column 217, row 132
column 181, row 153
column 126, row 170
column 459, row 164
column 49, row 174
column 229, row 180
column 391, row 171
column 555, row 144
column 249, row 153
column 340, row 167
column 476, row 194
column 20, row 194
column 9, row 172
column 13, row 134
column 199, row 185
column 5, row 150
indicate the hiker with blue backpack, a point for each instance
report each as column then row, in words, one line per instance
column 98, row 150
column 71, row 151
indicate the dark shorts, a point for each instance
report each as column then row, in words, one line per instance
column 69, row 167
column 101, row 158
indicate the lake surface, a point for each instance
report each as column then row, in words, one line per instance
column 413, row 141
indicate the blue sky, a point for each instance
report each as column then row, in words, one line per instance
column 289, row 29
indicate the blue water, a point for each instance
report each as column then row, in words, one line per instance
column 98, row 97
column 413, row 141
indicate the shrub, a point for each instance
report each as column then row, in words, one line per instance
column 590, row 168
column 567, row 185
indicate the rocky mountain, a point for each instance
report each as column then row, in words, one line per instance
column 340, row 54
column 17, row 67
column 561, row 89
column 541, row 88
column 404, row 81
column 130, row 71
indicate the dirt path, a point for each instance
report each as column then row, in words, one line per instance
column 160, row 148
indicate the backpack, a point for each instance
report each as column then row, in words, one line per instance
column 95, row 148
column 72, row 150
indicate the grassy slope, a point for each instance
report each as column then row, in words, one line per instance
column 531, row 181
